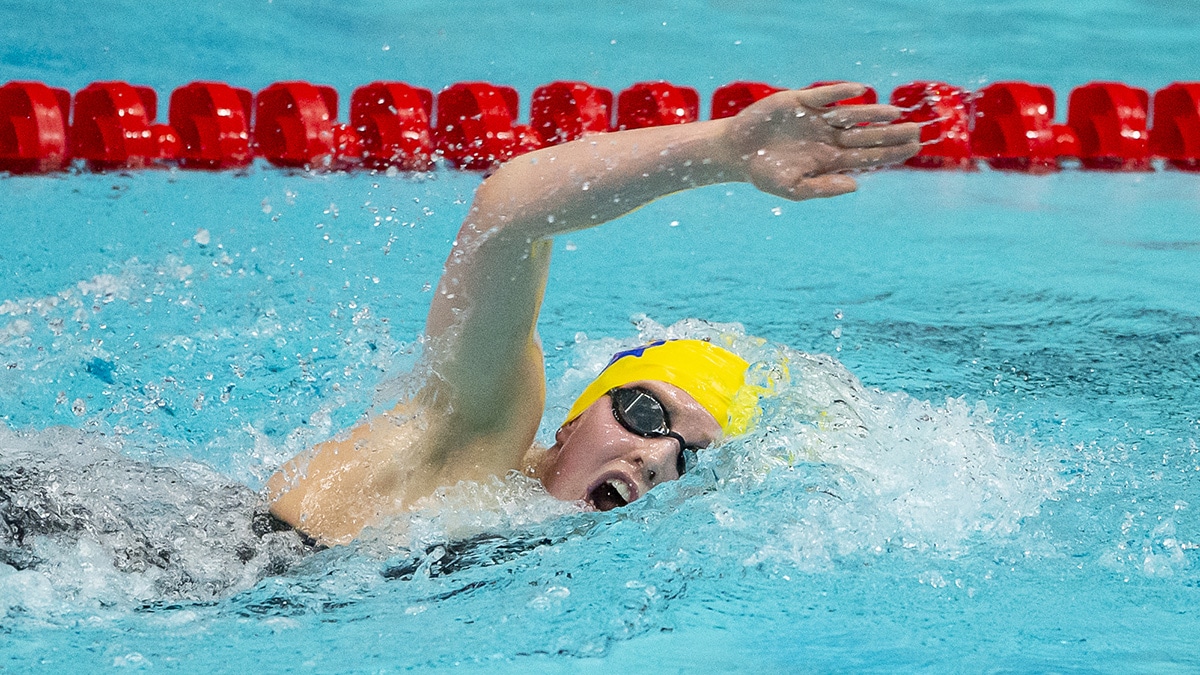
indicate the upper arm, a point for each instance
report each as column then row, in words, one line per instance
column 487, row 370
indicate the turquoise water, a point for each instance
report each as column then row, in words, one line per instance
column 985, row 458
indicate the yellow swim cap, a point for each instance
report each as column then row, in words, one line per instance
column 711, row 375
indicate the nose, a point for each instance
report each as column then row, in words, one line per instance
column 656, row 457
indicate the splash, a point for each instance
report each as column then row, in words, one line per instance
column 834, row 471
column 85, row 528
column 169, row 348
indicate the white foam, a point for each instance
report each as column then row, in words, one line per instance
column 468, row 509
column 833, row 470
column 84, row 528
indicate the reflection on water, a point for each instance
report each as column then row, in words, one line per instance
column 1166, row 245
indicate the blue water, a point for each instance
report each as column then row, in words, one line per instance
column 985, row 456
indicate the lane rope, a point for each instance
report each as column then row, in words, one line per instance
column 475, row 125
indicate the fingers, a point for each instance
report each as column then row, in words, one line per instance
column 819, row 97
column 844, row 117
column 876, row 136
column 866, row 158
column 827, row 185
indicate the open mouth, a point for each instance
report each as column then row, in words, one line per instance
column 609, row 495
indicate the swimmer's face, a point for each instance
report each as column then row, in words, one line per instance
column 597, row 460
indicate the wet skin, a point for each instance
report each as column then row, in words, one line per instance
column 596, row 460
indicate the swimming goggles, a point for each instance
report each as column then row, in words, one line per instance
column 641, row 413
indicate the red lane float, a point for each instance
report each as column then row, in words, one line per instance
column 1066, row 141
column 868, row 97
column 33, row 127
column 348, row 149
column 295, row 126
column 167, row 142
column 1014, row 127
column 114, row 127
column 941, row 109
column 212, row 120
column 1175, row 135
column 1109, row 118
column 477, row 126
column 657, row 104
column 735, row 97
column 564, row 111
column 393, row 121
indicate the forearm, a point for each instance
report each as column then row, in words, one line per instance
column 597, row 179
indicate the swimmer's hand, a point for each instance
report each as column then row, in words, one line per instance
column 792, row 145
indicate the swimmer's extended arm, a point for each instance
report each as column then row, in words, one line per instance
column 488, row 365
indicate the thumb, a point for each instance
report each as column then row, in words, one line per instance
column 827, row 185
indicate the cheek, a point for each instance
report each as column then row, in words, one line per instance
column 564, row 478
column 580, row 461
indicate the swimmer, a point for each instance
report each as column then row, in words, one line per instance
column 478, row 411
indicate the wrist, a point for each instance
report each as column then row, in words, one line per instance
column 721, row 156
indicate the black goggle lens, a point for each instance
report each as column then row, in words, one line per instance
column 642, row 413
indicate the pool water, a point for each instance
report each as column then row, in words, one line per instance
column 982, row 453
